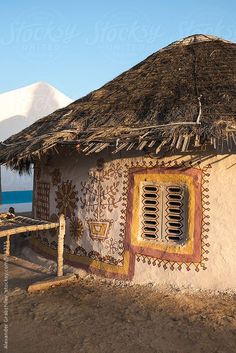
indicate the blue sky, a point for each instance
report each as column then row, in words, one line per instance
column 77, row 46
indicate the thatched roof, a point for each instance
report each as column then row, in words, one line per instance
column 181, row 98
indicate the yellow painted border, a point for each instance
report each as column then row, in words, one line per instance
column 188, row 247
column 84, row 260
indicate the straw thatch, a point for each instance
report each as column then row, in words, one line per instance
column 180, row 98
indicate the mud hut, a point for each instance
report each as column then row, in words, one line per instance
column 144, row 170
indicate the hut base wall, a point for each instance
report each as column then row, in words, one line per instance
column 95, row 195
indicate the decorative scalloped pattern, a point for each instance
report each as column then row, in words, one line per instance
column 205, row 223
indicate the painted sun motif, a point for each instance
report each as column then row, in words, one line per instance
column 76, row 228
column 112, row 246
column 66, row 199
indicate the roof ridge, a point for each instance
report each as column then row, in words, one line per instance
column 196, row 38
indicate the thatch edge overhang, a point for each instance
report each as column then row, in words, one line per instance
column 175, row 138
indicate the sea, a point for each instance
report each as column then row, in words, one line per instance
column 20, row 200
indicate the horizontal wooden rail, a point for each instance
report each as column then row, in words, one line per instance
column 17, row 225
column 26, row 228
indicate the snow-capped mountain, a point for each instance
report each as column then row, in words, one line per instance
column 18, row 109
column 22, row 107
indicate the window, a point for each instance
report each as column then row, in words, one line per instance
column 163, row 211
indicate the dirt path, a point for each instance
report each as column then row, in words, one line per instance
column 96, row 317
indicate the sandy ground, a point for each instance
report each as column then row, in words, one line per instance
column 98, row 316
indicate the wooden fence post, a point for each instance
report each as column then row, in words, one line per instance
column 8, row 246
column 60, row 245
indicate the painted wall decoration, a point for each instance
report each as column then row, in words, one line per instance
column 169, row 254
column 42, row 201
column 76, row 228
column 67, row 199
column 112, row 246
column 103, row 210
column 100, row 198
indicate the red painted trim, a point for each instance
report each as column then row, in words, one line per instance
column 196, row 174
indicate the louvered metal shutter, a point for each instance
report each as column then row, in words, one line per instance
column 163, row 211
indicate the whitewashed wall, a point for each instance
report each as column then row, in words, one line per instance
column 80, row 170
